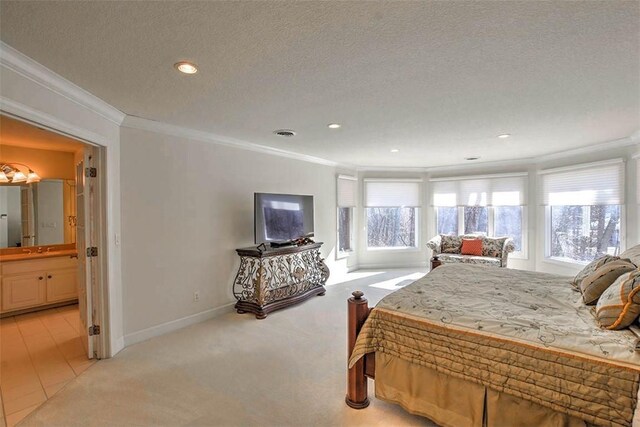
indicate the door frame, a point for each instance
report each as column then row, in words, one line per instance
column 102, row 342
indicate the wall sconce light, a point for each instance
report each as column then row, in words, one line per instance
column 10, row 172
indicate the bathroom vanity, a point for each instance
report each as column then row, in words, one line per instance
column 39, row 279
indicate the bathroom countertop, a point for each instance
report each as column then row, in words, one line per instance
column 35, row 255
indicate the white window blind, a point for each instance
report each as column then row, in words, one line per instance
column 486, row 190
column 380, row 193
column 600, row 183
column 347, row 191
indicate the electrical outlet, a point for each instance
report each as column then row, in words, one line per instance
column 196, row 296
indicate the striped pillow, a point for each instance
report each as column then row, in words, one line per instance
column 591, row 267
column 619, row 305
column 471, row 247
column 597, row 282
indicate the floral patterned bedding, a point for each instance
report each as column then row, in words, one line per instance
column 523, row 333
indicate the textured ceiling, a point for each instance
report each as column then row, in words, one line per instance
column 436, row 80
column 20, row 134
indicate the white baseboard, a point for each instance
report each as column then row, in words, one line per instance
column 173, row 325
column 116, row 346
column 353, row 268
column 379, row 266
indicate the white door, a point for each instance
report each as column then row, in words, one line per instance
column 84, row 187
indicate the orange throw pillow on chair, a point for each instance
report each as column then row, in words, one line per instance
column 471, row 247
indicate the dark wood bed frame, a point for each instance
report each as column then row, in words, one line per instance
column 358, row 311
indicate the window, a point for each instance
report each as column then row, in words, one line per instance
column 447, row 219
column 508, row 222
column 583, row 233
column 345, row 235
column 346, row 202
column 392, row 213
column 584, row 210
column 476, row 219
column 492, row 205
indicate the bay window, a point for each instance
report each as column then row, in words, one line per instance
column 491, row 205
column 392, row 208
column 583, row 210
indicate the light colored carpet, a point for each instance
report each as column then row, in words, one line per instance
column 286, row 370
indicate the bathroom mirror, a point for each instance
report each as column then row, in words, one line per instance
column 38, row 214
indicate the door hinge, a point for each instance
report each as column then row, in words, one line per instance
column 92, row 251
column 94, row 330
column 91, row 172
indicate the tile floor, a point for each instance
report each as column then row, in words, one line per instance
column 39, row 354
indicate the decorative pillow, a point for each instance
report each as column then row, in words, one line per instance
column 450, row 244
column 619, row 305
column 597, row 282
column 591, row 267
column 493, row 246
column 471, row 247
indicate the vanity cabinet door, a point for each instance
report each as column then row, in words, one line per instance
column 62, row 285
column 23, row 291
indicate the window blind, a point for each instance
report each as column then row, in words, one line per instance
column 379, row 194
column 486, row 190
column 600, row 183
column 347, row 190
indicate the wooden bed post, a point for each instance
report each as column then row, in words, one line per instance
column 358, row 311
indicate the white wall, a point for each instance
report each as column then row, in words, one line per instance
column 186, row 206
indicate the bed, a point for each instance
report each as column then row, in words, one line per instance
column 471, row 345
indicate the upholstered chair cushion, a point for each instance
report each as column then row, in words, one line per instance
column 597, row 282
column 451, row 244
column 493, row 247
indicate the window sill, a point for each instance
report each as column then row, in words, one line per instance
column 343, row 255
column 518, row 255
column 565, row 262
column 394, row 249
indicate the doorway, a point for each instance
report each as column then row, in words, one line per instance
column 51, row 281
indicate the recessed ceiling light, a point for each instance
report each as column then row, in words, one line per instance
column 287, row 133
column 504, row 135
column 395, row 150
column 471, row 158
column 334, row 125
column 186, row 67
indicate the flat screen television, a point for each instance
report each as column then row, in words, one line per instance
column 280, row 218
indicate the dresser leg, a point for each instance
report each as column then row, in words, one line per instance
column 261, row 316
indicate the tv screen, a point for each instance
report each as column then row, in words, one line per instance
column 280, row 218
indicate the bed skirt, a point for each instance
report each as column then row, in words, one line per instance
column 454, row 402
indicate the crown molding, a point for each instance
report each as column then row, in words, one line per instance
column 609, row 145
column 528, row 161
column 24, row 113
column 390, row 169
column 140, row 123
column 21, row 64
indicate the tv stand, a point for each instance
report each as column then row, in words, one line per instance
column 275, row 278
